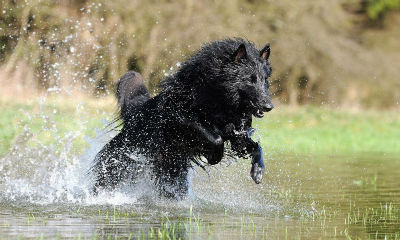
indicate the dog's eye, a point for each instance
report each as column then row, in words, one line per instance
column 253, row 78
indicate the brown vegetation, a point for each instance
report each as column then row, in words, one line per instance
column 325, row 52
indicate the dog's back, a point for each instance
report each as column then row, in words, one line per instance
column 211, row 99
column 131, row 92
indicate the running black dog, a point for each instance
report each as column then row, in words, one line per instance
column 209, row 100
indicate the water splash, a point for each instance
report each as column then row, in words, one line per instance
column 33, row 172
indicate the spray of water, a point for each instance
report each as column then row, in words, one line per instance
column 33, row 172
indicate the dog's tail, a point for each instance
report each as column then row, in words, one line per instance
column 131, row 92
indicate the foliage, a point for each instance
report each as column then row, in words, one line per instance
column 377, row 8
column 318, row 54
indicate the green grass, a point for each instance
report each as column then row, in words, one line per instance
column 53, row 121
column 314, row 130
column 303, row 130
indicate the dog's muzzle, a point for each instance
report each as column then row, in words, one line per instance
column 259, row 114
column 267, row 107
column 259, row 111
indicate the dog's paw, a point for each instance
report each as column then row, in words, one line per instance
column 256, row 172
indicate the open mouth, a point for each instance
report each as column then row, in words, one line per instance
column 257, row 113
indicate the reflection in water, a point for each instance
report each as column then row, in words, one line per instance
column 46, row 194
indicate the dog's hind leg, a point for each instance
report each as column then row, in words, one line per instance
column 115, row 170
column 112, row 165
column 172, row 177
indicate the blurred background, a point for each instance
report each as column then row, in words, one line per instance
column 331, row 145
column 336, row 53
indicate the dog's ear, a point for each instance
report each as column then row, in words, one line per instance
column 265, row 52
column 240, row 53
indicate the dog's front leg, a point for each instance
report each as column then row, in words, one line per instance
column 212, row 143
column 242, row 144
column 257, row 160
column 257, row 165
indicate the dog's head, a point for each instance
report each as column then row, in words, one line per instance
column 246, row 78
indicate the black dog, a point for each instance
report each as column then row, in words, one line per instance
column 209, row 100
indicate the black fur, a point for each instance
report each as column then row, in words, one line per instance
column 209, row 100
column 131, row 92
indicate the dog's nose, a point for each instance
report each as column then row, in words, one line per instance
column 268, row 107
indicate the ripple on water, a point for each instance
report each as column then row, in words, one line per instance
column 45, row 192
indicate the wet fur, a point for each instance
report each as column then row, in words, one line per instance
column 209, row 100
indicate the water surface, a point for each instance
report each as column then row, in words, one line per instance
column 44, row 195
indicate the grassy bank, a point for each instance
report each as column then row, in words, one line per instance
column 53, row 121
column 330, row 131
column 303, row 130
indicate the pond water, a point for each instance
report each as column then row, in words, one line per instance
column 44, row 195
